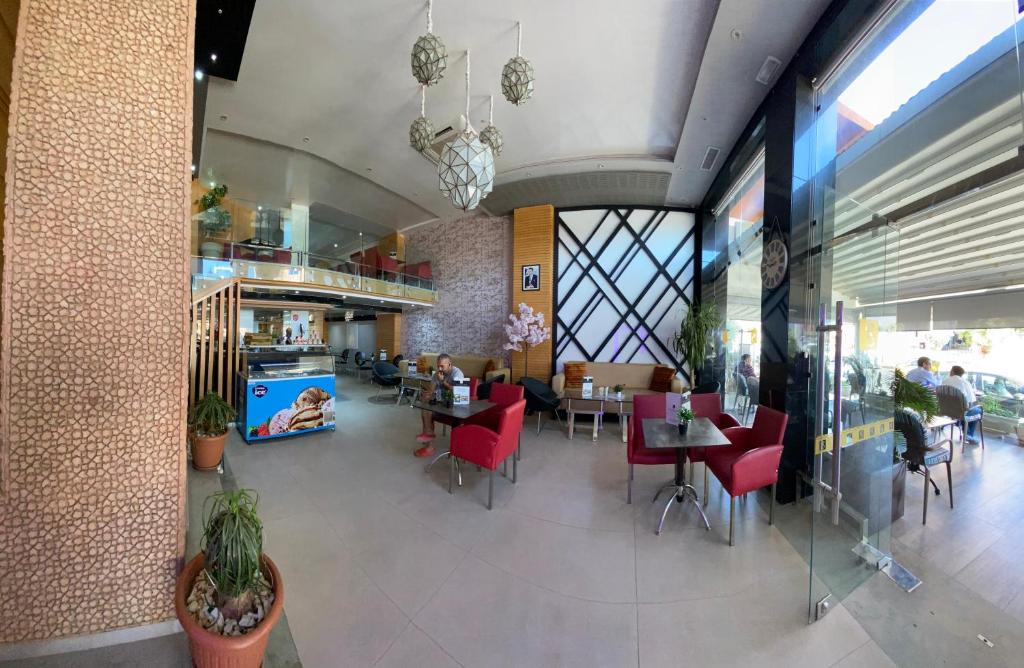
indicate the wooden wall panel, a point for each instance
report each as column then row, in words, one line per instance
column 533, row 242
column 389, row 333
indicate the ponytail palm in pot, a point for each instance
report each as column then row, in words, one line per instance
column 230, row 595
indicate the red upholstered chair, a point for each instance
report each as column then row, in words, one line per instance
column 710, row 406
column 645, row 406
column 752, row 461
column 486, row 447
column 502, row 394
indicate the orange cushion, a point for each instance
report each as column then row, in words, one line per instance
column 421, row 365
column 574, row 372
column 489, row 367
column 661, row 379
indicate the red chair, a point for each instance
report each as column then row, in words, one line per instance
column 752, row 461
column 502, row 394
column 645, row 406
column 709, row 406
column 486, row 447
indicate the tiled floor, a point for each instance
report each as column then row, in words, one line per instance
column 383, row 567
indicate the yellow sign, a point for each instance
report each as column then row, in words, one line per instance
column 868, row 334
column 854, row 435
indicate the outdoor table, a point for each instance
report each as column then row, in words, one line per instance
column 458, row 414
column 702, row 433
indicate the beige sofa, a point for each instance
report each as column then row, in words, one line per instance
column 472, row 366
column 636, row 377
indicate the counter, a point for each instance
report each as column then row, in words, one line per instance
column 284, row 391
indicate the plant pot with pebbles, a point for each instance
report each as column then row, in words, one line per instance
column 229, row 596
column 208, row 426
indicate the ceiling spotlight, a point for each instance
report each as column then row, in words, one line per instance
column 736, row 34
column 305, row 139
column 369, row 169
column 223, row 117
column 335, row 245
column 600, row 165
column 220, row 11
column 213, row 57
column 199, row 75
column 259, row 208
column 193, row 168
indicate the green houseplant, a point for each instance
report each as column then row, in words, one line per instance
column 213, row 219
column 230, row 595
column 685, row 416
column 692, row 340
column 208, row 425
column 907, row 395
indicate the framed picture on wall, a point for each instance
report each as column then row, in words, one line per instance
column 531, row 277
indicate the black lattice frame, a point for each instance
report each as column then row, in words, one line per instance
column 564, row 332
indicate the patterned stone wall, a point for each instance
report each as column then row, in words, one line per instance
column 95, row 287
column 471, row 259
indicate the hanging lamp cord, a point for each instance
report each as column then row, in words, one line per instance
column 519, row 38
column 467, row 91
column 430, row 16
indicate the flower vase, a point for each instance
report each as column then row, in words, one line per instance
column 683, row 428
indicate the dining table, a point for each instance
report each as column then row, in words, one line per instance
column 411, row 383
column 701, row 433
column 456, row 414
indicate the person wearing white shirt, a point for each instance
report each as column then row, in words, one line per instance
column 922, row 375
column 956, row 379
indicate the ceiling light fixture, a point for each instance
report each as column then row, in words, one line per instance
column 305, row 140
column 199, row 75
column 517, row 75
column 421, row 132
column 491, row 135
column 213, row 57
column 466, row 169
column 429, row 54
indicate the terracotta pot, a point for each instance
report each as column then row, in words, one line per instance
column 207, row 451
column 211, row 650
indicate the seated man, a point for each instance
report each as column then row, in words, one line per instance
column 922, row 374
column 442, row 379
column 956, row 379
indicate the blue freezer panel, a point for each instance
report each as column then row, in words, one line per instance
column 278, row 407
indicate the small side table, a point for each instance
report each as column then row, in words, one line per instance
column 584, row 406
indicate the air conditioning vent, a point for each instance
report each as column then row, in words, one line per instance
column 710, row 157
column 442, row 137
column 768, row 69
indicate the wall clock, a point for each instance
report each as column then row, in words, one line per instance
column 774, row 261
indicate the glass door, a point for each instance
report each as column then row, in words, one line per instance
column 854, row 476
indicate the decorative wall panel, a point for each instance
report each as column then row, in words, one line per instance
column 95, row 316
column 470, row 258
column 625, row 280
column 534, row 244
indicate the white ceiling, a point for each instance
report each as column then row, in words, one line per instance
column 618, row 85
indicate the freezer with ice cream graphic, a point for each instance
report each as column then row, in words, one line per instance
column 274, row 403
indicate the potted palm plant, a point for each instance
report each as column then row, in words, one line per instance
column 213, row 220
column 694, row 336
column 230, row 595
column 208, row 425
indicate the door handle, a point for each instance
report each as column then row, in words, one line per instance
column 832, row 489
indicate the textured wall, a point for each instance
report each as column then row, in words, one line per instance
column 95, row 288
column 470, row 259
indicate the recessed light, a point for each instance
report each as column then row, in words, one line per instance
column 199, row 75
column 193, row 168
column 600, row 165
column 220, row 11
column 305, row 139
column 528, row 174
column 736, row 34
column 335, row 245
column 223, row 117
column 369, row 169
column 259, row 208
column 213, row 57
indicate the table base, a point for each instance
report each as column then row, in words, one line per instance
column 446, row 453
column 680, row 494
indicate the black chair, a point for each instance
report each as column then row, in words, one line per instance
column 363, row 363
column 708, row 388
column 921, row 454
column 397, row 359
column 483, row 391
column 540, row 398
column 953, row 403
column 384, row 374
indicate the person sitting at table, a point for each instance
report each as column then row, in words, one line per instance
column 745, row 368
column 922, row 374
column 956, row 379
column 441, row 380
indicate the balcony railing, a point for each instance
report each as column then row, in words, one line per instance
column 275, row 264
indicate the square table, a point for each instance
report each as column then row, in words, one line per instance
column 411, row 382
column 458, row 414
column 702, row 433
column 585, row 406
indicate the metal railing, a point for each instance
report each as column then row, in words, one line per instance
column 278, row 264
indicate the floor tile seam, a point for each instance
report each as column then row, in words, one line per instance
column 565, row 524
column 573, row 597
column 985, row 552
column 438, row 644
column 855, row 649
column 391, row 644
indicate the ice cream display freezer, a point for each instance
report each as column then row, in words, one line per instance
column 284, row 393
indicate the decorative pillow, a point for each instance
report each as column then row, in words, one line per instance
column 489, row 367
column 421, row 364
column 661, row 379
column 574, row 372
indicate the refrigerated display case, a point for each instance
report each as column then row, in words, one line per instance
column 285, row 391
